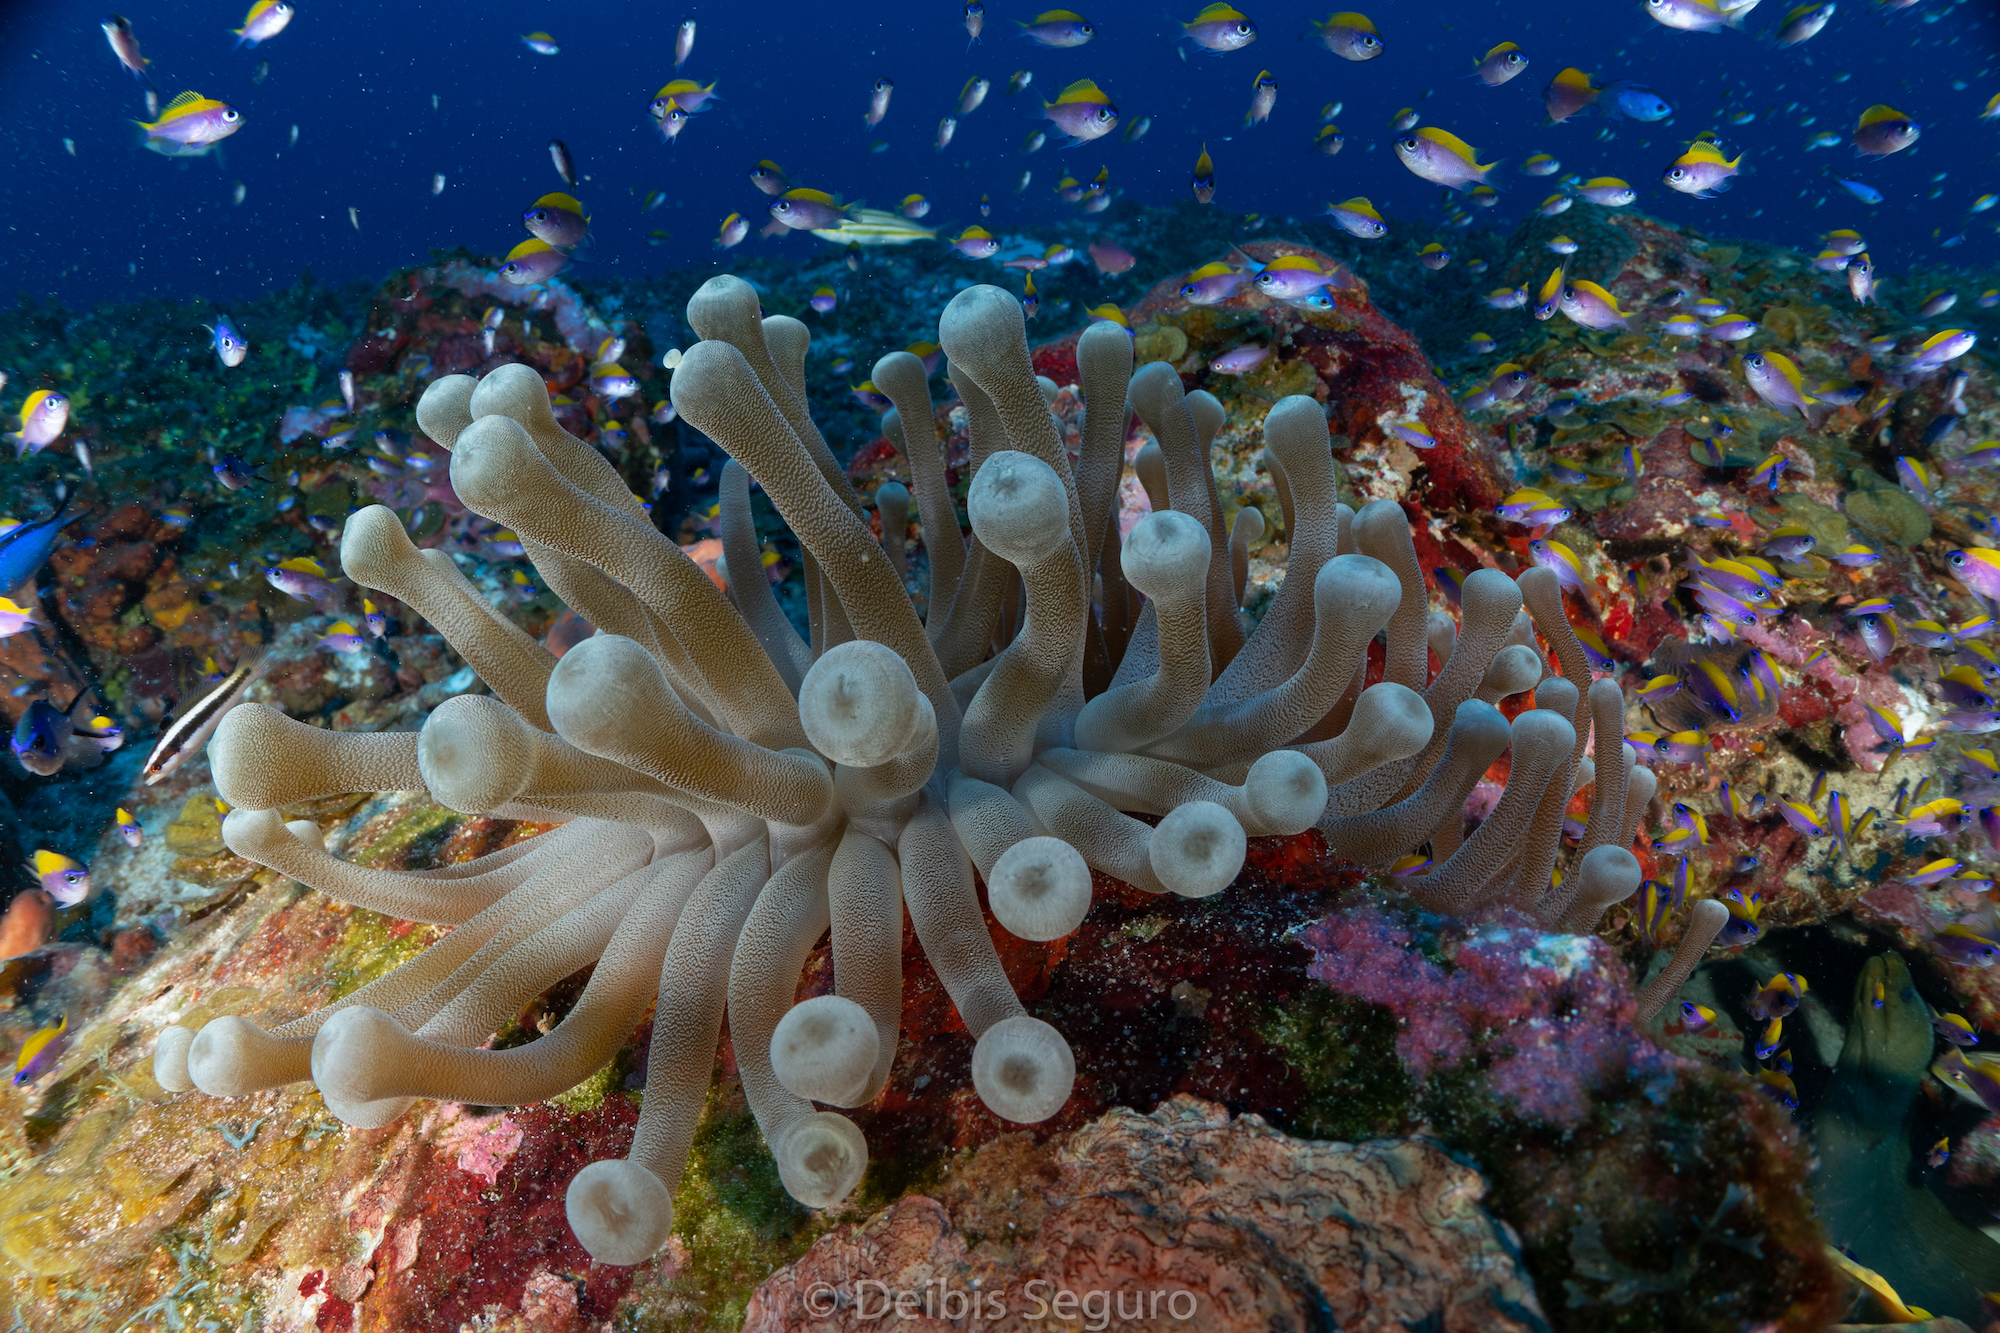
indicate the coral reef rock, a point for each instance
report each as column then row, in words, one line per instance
column 1184, row 1218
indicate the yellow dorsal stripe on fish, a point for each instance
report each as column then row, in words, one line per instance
column 1503, row 47
column 1083, row 90
column 1214, row 13
column 1214, row 270
column 1878, row 113
column 1589, row 288
column 525, row 248
column 1058, row 16
column 1454, row 145
column 559, row 200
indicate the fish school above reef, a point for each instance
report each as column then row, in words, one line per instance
column 525, row 825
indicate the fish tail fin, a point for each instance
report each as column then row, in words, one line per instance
column 1816, row 412
column 240, row 39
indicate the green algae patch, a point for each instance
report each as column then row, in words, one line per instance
column 1344, row 1051
column 590, row 1094
column 1890, row 515
column 735, row 1220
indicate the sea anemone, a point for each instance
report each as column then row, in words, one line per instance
column 728, row 793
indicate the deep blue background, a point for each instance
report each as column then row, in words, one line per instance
column 358, row 76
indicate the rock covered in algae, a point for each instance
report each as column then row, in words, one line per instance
column 1186, row 1216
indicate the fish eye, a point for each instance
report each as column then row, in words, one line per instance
column 1085, row 29
column 230, row 113
column 1245, row 29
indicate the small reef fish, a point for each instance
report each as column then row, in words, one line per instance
column 808, row 210
column 1569, row 92
column 39, row 1053
column 1212, row 283
column 1701, row 171
column 1350, row 36
column 1775, row 378
column 1696, row 1018
column 769, row 177
column 734, row 228
column 234, row 473
column 189, row 126
column 1591, row 306
column 1883, row 130
column 565, row 165
column 43, row 416
column 1203, row 182
column 1802, row 24
column 1956, row 1029
column 189, row 734
column 878, row 103
column 65, row 879
column 1329, row 140
column 541, row 43
column 1500, row 64
column 823, row 299
column 1540, row 164
column 1058, row 28
column 266, row 19
column 1240, row 361
column 1220, row 29
column 558, row 219
column 125, row 44
column 1689, row 15
column 532, row 261
column 129, row 829
column 1357, row 217
column 230, row 348
column 1434, row 256
column 1442, row 158
column 1966, row 945
column 341, row 637
column 1607, row 191
column 1263, row 97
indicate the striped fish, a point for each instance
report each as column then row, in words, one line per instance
column 188, row 734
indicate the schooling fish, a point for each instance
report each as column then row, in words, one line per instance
column 558, row 219
column 1689, row 15
column 1350, row 36
column 1607, row 191
column 541, row 43
column 1701, row 171
column 1213, row 283
column 1203, row 182
column 1357, row 217
column 1500, row 64
column 1569, row 93
column 1442, row 158
column 189, row 126
column 234, row 473
column 1434, row 256
column 129, row 828
column 266, row 19
column 1057, row 28
column 1591, row 306
column 734, row 228
column 125, row 45
column 187, row 736
column 25, row 548
column 1883, row 130
column 532, row 261
column 1083, row 111
column 1802, row 24
column 1220, row 29
column 1263, row 96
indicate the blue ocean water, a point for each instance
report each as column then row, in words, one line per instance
column 387, row 96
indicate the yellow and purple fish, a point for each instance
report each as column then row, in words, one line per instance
column 823, row 299
column 1776, row 380
column 1203, row 182
column 532, row 261
column 1220, row 29
column 1263, row 96
column 189, row 126
column 975, row 242
column 1055, row 27
column 67, row 880
column 266, row 19
column 1701, row 171
column 1956, row 1029
column 1966, row 945
column 1500, row 64
column 43, row 416
column 1607, row 191
column 1357, row 217
column 1083, row 111
column 129, row 829
column 1442, row 158
column 1591, row 306
column 39, row 1053
column 1568, row 93
column 1350, row 36
column 541, row 43
column 1883, row 130
column 734, row 228
column 808, row 210
column 1696, row 1018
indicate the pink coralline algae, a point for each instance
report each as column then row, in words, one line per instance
column 1551, row 1014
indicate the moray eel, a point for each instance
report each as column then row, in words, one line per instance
column 1870, row 1193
